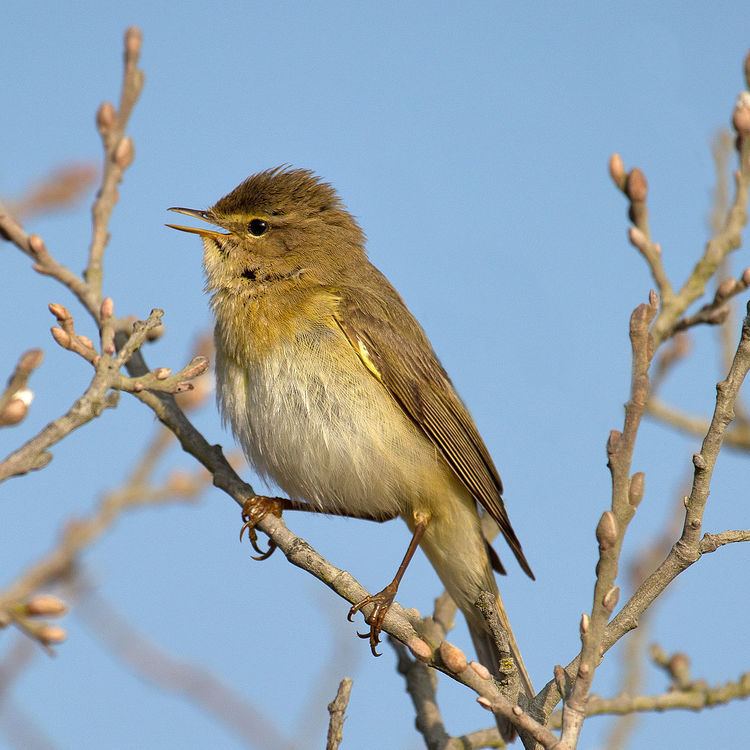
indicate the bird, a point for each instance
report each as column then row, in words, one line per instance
column 334, row 392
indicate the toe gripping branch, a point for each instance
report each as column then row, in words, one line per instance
column 384, row 598
column 254, row 510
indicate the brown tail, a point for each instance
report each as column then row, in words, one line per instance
column 489, row 655
column 462, row 562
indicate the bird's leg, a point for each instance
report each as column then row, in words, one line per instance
column 257, row 507
column 384, row 599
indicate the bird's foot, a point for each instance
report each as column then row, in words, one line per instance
column 382, row 602
column 254, row 510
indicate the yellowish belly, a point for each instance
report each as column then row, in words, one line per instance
column 312, row 418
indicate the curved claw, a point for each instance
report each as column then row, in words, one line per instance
column 253, row 511
column 264, row 555
column 382, row 602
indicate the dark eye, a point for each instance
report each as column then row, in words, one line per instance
column 257, row 227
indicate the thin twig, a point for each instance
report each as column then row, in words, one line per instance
column 118, row 155
column 337, row 711
column 15, row 399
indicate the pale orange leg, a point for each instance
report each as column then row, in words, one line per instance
column 258, row 507
column 384, row 598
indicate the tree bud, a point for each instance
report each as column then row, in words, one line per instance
column 124, row 153
column 741, row 116
column 45, row 605
column 107, row 309
column 133, row 41
column 636, row 489
column 61, row 337
column 419, row 649
column 14, row 412
column 611, row 598
column 36, row 244
column 50, row 635
column 480, row 670
column 637, row 186
column 617, row 170
column 453, row 657
column 606, row 531
column 105, row 116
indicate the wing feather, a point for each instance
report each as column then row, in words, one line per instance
column 382, row 332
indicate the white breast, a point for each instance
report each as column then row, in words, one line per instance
column 311, row 416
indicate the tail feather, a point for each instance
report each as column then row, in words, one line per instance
column 464, row 566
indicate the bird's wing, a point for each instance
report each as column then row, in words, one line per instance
column 380, row 330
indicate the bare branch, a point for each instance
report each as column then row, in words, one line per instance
column 626, row 495
column 195, row 683
column 60, row 189
column 15, row 399
column 337, row 710
column 118, row 156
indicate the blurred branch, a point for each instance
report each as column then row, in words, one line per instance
column 16, row 398
column 60, row 189
column 79, row 534
column 198, row 685
column 336, row 710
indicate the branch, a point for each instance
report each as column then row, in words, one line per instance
column 60, row 189
column 16, row 398
column 627, row 493
column 195, row 683
column 337, row 709
column 80, row 534
column 689, row 547
column 118, row 156
column 737, row 437
column 696, row 698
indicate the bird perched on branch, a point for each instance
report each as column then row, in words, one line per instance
column 333, row 390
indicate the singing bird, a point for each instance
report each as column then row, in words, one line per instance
column 333, row 390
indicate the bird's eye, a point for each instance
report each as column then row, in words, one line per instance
column 257, row 227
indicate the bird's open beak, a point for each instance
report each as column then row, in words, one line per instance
column 203, row 216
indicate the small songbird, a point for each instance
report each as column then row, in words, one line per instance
column 333, row 390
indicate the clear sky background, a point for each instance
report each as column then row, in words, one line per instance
column 471, row 141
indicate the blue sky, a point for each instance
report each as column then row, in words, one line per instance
column 471, row 141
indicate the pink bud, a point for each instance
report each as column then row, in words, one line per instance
column 617, row 170
column 49, row 635
column 107, row 309
column 419, row 648
column 45, row 605
column 59, row 311
column 61, row 337
column 14, row 412
column 106, row 116
column 453, row 657
column 124, row 153
column 480, row 670
column 741, row 116
column 36, row 244
column 637, row 186
column 133, row 41
column 606, row 530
